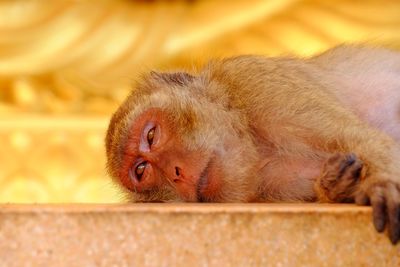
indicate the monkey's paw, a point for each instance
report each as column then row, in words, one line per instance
column 339, row 177
column 384, row 197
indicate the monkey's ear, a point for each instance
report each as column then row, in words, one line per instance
column 180, row 78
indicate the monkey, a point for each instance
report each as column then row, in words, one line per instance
column 266, row 129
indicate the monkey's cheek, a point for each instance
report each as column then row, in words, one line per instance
column 211, row 190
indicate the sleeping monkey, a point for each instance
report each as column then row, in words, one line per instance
column 258, row 129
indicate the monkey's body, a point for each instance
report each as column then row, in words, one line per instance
column 306, row 111
column 254, row 129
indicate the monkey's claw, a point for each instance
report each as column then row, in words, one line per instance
column 384, row 197
column 340, row 175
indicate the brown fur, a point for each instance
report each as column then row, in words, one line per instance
column 270, row 128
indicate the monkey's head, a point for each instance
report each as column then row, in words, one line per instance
column 176, row 139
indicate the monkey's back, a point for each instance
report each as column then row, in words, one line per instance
column 364, row 80
column 367, row 82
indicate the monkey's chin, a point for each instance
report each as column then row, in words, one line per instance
column 208, row 187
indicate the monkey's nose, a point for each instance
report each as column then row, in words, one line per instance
column 177, row 176
column 177, row 171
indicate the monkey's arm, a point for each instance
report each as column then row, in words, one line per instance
column 378, row 184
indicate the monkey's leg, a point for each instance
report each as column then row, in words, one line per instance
column 339, row 177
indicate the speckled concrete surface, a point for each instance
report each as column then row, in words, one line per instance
column 192, row 235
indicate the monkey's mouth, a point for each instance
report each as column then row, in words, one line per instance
column 203, row 183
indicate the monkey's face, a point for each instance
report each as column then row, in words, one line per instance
column 174, row 148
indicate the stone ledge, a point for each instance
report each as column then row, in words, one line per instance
column 192, row 235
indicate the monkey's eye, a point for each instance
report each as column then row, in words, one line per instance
column 150, row 136
column 140, row 170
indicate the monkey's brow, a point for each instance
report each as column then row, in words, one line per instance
column 125, row 153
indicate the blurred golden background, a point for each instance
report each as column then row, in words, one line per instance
column 66, row 65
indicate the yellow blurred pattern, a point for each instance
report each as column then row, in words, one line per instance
column 66, row 65
column 53, row 159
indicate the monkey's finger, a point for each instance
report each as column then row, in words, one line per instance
column 393, row 210
column 394, row 224
column 378, row 209
column 345, row 163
